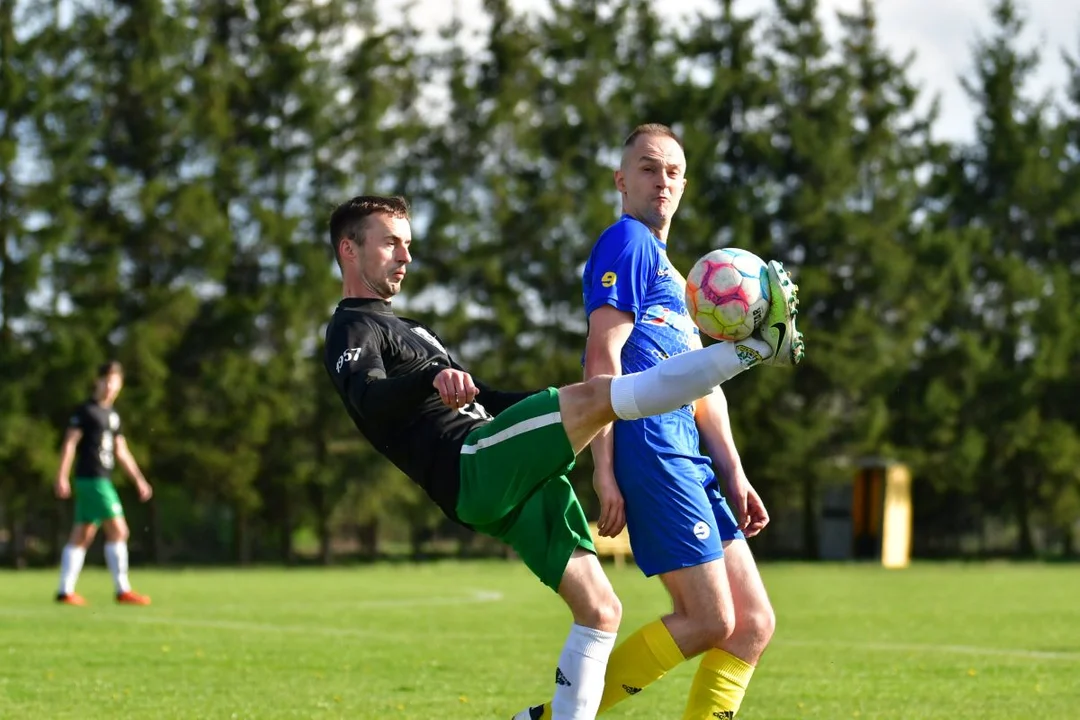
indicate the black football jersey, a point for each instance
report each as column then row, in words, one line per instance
column 384, row 367
column 95, row 455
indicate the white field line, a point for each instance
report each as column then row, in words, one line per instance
column 934, row 648
column 483, row 596
column 479, row 596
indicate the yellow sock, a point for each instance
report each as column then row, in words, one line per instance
column 718, row 688
column 638, row 661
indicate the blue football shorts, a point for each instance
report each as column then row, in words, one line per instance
column 676, row 514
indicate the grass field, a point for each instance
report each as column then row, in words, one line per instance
column 479, row 640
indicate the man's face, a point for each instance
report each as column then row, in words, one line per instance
column 380, row 257
column 652, row 178
column 109, row 387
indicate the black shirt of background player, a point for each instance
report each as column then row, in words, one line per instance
column 95, row 455
column 383, row 367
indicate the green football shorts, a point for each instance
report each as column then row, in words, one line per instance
column 514, row 486
column 96, row 500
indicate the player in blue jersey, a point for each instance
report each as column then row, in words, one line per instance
column 650, row 474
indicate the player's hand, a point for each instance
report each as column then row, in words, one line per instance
column 612, row 506
column 455, row 387
column 747, row 504
column 145, row 491
column 63, row 488
column 756, row 515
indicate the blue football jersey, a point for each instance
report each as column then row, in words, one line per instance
column 675, row 512
column 629, row 270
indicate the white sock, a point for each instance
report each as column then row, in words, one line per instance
column 683, row 378
column 116, row 556
column 71, row 562
column 579, row 679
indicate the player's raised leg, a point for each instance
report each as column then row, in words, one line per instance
column 682, row 379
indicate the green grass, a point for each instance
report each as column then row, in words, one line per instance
column 479, row 640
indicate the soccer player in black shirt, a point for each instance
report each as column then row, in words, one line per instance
column 94, row 442
column 494, row 461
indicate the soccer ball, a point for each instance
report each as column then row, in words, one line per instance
column 727, row 293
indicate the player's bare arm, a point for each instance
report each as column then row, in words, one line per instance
column 127, row 461
column 609, row 329
column 67, row 457
column 714, row 425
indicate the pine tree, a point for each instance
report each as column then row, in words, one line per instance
column 722, row 100
column 831, row 151
column 24, row 436
column 1006, row 188
column 1057, row 327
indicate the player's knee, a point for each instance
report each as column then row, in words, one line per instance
column 599, row 385
column 612, row 613
column 598, row 607
column 603, row 613
column 714, row 631
column 757, row 625
column 599, row 395
column 588, row 593
column 116, row 532
column 585, row 408
column 81, row 536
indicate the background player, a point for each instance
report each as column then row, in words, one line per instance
column 95, row 442
column 650, row 474
column 505, row 475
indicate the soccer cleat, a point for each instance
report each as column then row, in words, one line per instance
column 533, row 713
column 71, row 599
column 132, row 598
column 778, row 328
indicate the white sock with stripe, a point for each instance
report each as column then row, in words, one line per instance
column 684, row 378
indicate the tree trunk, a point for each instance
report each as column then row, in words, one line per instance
column 367, row 534
column 154, row 551
column 57, row 537
column 1025, row 542
column 326, row 551
column 418, row 535
column 16, row 538
column 810, row 544
column 286, row 548
column 242, row 536
column 465, row 544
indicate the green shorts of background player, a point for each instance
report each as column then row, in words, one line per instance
column 96, row 502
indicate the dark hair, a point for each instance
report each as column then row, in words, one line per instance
column 347, row 220
column 651, row 129
column 108, row 368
